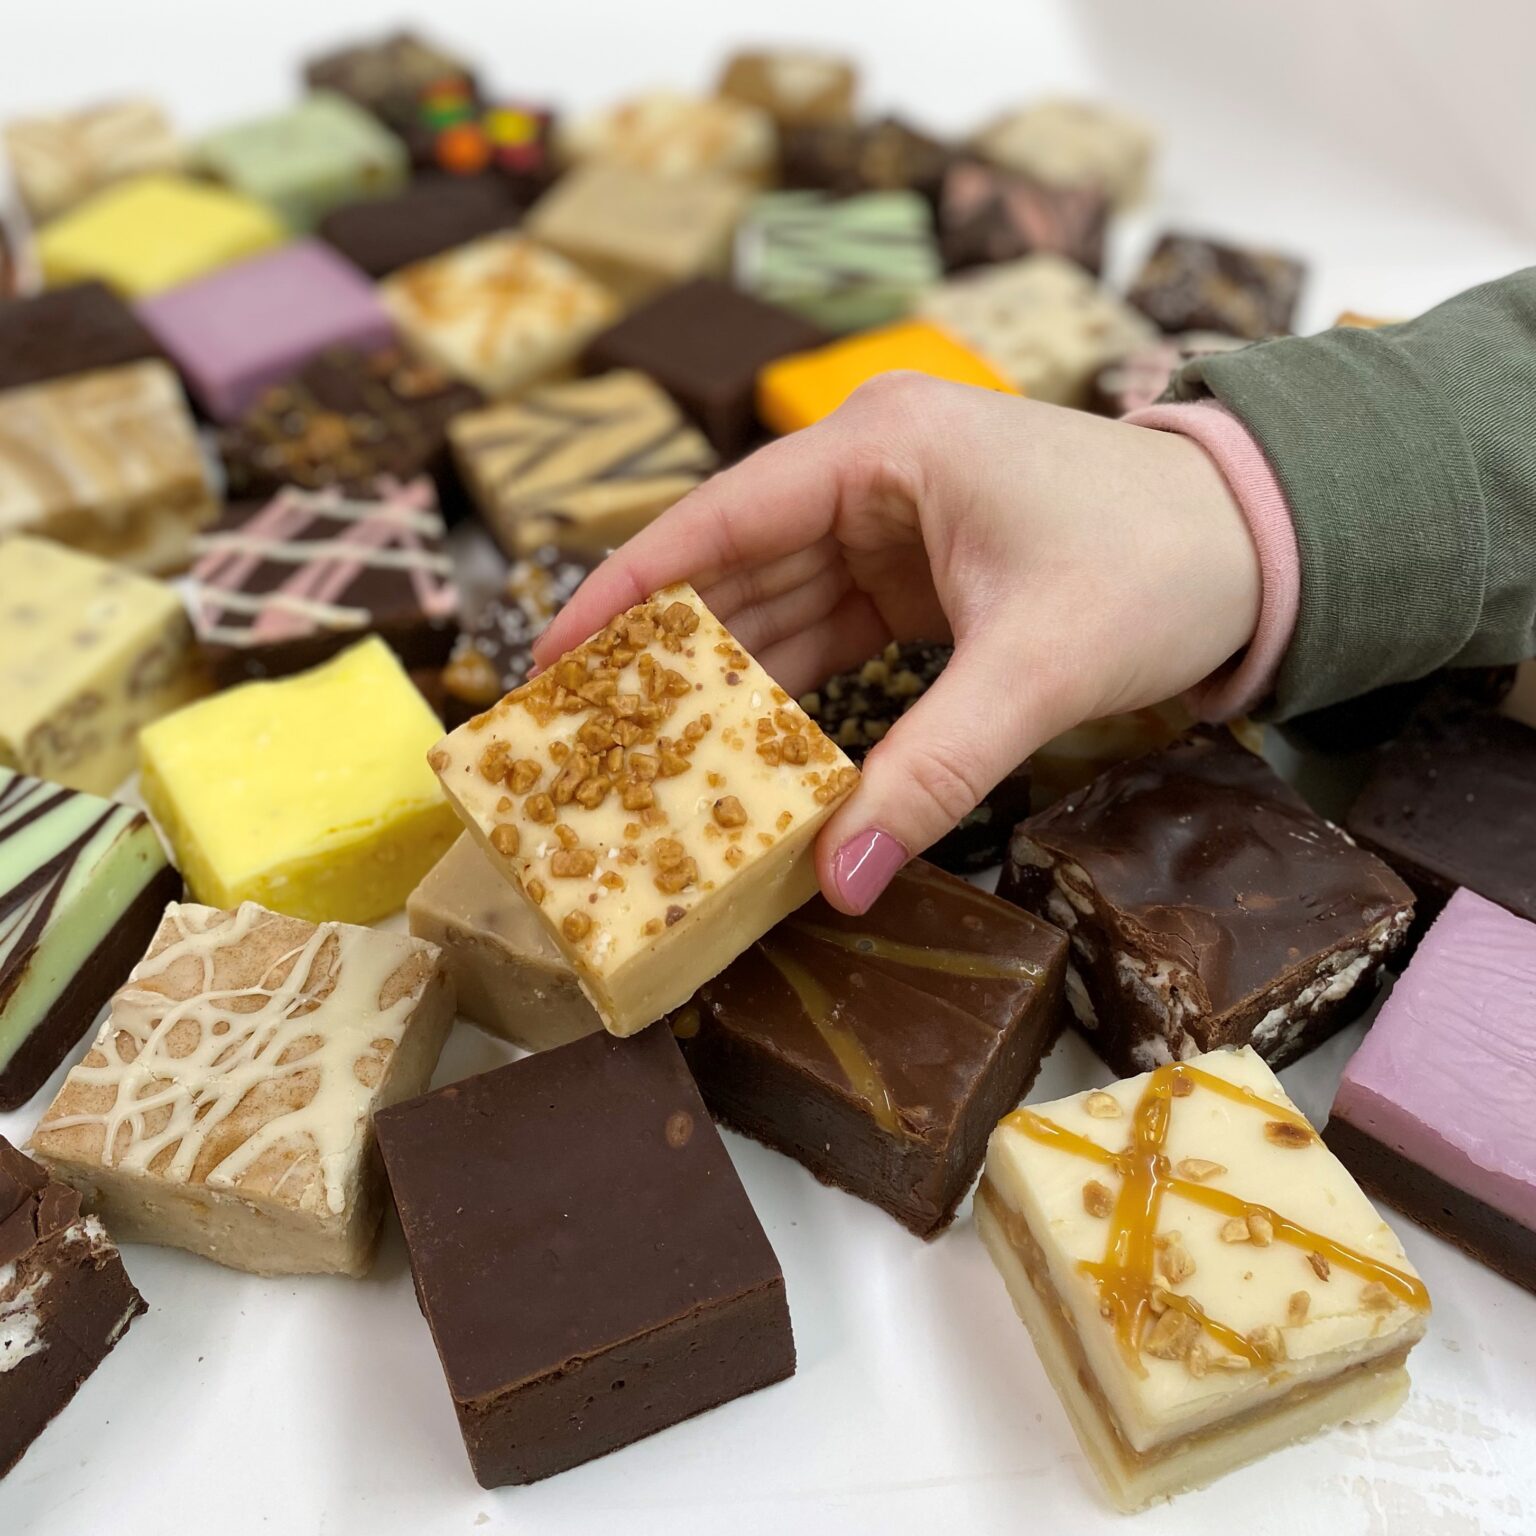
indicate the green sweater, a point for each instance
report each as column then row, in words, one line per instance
column 1408, row 455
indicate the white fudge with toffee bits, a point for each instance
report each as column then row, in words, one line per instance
column 1203, row 1279
column 655, row 795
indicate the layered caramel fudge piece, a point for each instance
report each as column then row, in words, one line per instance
column 227, row 1104
column 1204, row 1281
column 655, row 795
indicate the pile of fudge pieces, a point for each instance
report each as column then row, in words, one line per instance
column 277, row 364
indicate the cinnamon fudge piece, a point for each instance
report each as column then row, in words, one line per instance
column 794, row 86
column 268, row 1043
column 584, row 1254
column 669, row 133
column 656, row 796
column 1203, row 1280
column 1208, row 905
column 65, row 1300
column 382, row 234
column 987, row 215
column 65, row 331
column 880, row 1050
column 1190, row 284
column 1067, row 143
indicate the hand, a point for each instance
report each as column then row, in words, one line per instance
column 1080, row 566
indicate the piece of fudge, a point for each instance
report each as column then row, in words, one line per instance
column 59, row 161
column 585, row 464
column 1043, row 320
column 857, row 708
column 797, row 391
column 89, row 654
column 65, row 331
column 880, row 1050
column 1208, row 906
column 794, row 86
column 987, row 215
column 500, row 312
column 345, row 419
column 886, row 155
column 1190, row 284
column 237, row 332
column 307, row 794
column 281, row 586
column 843, row 263
column 623, row 1254
column 1072, row 144
column 269, row 1043
column 387, row 75
column 18, row 274
column 82, row 885
column 639, row 233
column 508, row 974
column 507, row 144
column 1138, row 379
column 1201, row 1277
column 379, row 235
column 155, row 232
column 669, row 133
column 705, row 343
column 656, row 796
column 65, row 1300
column 107, row 462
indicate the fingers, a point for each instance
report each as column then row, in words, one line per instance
column 847, row 637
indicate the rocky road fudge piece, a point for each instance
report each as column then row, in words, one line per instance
column 1072, row 144
column 1139, row 378
column 1208, row 905
column 65, row 1300
column 586, row 464
column 82, row 885
column 668, row 133
column 988, row 215
column 880, row 1050
column 584, row 1254
column 66, row 331
column 655, row 795
column 265, row 1044
column 1190, row 284
column 107, row 462
column 307, row 793
column 283, row 586
column 1202, row 1278
column 89, row 655
column 887, row 155
column 382, row 234
column 387, row 75
column 508, row 974
column 500, row 312
column 793, row 86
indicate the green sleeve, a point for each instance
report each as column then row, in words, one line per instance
column 1408, row 455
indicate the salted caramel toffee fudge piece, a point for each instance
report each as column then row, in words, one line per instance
column 1203, row 1280
column 655, row 794
column 227, row 1104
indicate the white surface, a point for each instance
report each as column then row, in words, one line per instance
column 1377, row 139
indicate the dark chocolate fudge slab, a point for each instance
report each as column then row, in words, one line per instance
column 881, row 1050
column 1190, row 284
column 584, row 1253
column 65, row 1300
column 66, row 331
column 887, row 155
column 381, row 235
column 1208, row 905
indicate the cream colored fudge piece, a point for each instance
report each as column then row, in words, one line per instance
column 655, row 795
column 1071, row 144
column 227, row 1104
column 670, row 133
column 1204, row 1280
column 794, row 86
column 510, row 976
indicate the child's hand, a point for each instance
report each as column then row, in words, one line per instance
column 1080, row 566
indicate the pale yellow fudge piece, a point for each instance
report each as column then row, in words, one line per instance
column 307, row 793
column 1203, row 1279
column 89, row 655
column 510, row 976
column 227, row 1104
column 669, row 133
column 655, row 795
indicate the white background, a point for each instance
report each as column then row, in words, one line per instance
column 1391, row 144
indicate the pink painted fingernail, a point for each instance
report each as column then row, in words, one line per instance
column 865, row 865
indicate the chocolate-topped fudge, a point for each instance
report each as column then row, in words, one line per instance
column 1208, row 906
column 68, row 330
column 584, row 1254
column 1189, row 284
column 382, row 234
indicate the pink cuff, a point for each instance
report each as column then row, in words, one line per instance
column 1245, row 681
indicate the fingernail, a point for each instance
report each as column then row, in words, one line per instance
column 865, row 865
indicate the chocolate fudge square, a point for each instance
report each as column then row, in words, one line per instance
column 1208, row 906
column 880, row 1050
column 65, row 331
column 1189, row 284
column 583, row 1252
column 383, row 234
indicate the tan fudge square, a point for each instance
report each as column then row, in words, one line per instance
column 670, row 133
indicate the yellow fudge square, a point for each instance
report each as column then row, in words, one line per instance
column 798, row 391
column 309, row 794
column 155, row 232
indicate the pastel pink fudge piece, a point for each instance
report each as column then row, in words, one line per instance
column 1446, row 1077
column 244, row 328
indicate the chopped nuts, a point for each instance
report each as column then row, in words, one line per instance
column 1101, row 1106
column 576, row 926
column 1297, row 1307
column 506, row 839
column 572, row 863
column 1197, row 1360
column 730, row 812
column 1268, row 1341
column 1261, row 1230
column 1320, row 1265
column 1286, row 1133
column 1376, row 1297
column 1198, row 1168
column 1229, row 1363
column 1181, row 1087
column 1171, row 1336
column 539, row 808
column 1097, row 1200
column 1174, row 1259
column 1234, row 1231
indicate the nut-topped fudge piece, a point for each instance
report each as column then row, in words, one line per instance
column 227, row 1104
column 1203, row 1280
column 1208, row 905
column 655, row 794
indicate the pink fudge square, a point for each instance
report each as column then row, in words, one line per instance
column 244, row 328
